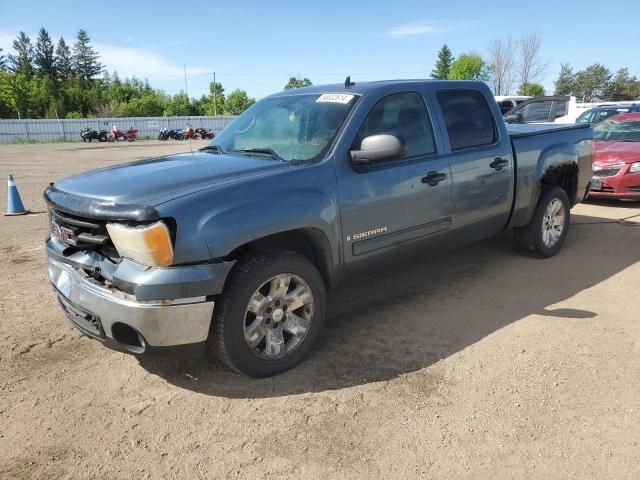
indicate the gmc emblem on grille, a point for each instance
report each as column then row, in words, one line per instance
column 64, row 234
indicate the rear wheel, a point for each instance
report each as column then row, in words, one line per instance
column 103, row 138
column 545, row 234
column 270, row 315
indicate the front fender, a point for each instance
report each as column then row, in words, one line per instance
column 213, row 223
column 243, row 222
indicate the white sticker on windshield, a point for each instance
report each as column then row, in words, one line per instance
column 334, row 98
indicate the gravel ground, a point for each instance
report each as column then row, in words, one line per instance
column 478, row 364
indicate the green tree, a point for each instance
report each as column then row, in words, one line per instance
column 592, row 82
column 468, row 66
column 215, row 104
column 42, row 96
column 63, row 60
column 297, row 83
column 443, row 65
column 44, row 59
column 623, row 86
column 179, row 105
column 149, row 104
column 531, row 89
column 14, row 94
column 22, row 61
column 565, row 84
column 3, row 61
column 237, row 102
column 85, row 59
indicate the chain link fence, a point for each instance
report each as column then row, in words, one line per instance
column 53, row 130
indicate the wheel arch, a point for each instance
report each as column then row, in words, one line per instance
column 310, row 242
column 558, row 166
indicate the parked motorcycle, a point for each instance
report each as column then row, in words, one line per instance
column 189, row 132
column 173, row 133
column 205, row 133
column 115, row 134
column 89, row 134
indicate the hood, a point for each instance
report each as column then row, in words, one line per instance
column 616, row 152
column 154, row 181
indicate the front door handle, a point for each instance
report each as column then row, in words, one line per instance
column 498, row 163
column 434, row 178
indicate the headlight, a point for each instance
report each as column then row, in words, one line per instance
column 635, row 167
column 150, row 245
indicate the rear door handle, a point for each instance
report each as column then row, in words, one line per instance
column 434, row 178
column 498, row 163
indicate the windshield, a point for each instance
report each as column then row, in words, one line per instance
column 612, row 131
column 289, row 128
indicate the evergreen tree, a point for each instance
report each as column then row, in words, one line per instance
column 22, row 61
column 3, row 61
column 623, row 86
column 443, row 65
column 63, row 60
column 85, row 58
column 565, row 84
column 592, row 83
column 44, row 59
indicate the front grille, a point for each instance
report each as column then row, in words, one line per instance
column 634, row 188
column 608, row 172
column 81, row 233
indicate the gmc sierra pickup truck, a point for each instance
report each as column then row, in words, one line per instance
column 231, row 249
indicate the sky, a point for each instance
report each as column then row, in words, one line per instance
column 257, row 46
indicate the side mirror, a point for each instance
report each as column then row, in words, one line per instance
column 377, row 148
column 514, row 118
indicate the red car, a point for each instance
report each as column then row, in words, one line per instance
column 616, row 160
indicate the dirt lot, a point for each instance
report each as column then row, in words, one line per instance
column 480, row 364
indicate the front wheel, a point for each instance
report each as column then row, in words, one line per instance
column 270, row 314
column 103, row 138
column 544, row 235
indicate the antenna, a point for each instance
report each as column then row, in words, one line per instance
column 186, row 91
column 348, row 82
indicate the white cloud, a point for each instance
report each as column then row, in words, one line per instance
column 420, row 28
column 142, row 63
column 127, row 61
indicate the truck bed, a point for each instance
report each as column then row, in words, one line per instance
column 534, row 155
column 530, row 129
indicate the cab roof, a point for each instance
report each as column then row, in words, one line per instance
column 361, row 88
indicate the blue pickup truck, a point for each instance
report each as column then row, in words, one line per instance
column 231, row 249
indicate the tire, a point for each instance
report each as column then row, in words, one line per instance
column 530, row 238
column 87, row 139
column 102, row 138
column 232, row 315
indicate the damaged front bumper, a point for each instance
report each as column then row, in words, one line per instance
column 165, row 311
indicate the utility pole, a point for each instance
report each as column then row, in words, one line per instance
column 215, row 107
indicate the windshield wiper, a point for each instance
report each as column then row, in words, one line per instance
column 212, row 148
column 260, row 151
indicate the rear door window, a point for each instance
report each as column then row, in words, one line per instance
column 468, row 118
